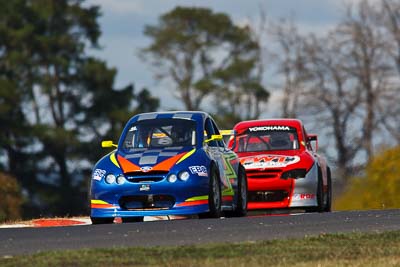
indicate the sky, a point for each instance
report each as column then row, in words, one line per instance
column 123, row 21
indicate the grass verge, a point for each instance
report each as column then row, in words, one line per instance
column 356, row 249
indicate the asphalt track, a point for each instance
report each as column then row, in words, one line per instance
column 15, row 241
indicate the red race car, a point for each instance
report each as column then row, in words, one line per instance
column 282, row 165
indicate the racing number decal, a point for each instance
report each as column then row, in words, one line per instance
column 269, row 161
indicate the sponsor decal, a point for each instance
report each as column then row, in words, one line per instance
column 269, row 161
column 144, row 187
column 303, row 196
column 269, row 128
column 146, row 168
column 98, row 174
column 199, row 170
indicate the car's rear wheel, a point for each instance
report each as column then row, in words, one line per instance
column 132, row 219
column 214, row 195
column 102, row 220
column 241, row 205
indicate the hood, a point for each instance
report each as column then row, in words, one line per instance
column 145, row 160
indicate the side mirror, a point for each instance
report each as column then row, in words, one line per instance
column 311, row 138
column 107, row 144
column 214, row 137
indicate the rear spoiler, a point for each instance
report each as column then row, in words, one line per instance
column 312, row 137
column 228, row 136
column 227, row 132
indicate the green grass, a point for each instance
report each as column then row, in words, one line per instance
column 356, row 249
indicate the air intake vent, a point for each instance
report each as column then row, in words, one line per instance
column 267, row 196
column 263, row 174
column 147, row 202
column 146, row 177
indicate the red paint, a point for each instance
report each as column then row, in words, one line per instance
column 55, row 222
column 227, row 198
column 265, row 177
column 192, row 203
column 102, row 206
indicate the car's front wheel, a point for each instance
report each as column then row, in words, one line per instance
column 132, row 219
column 214, row 195
column 102, row 220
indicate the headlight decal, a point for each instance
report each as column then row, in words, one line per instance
column 172, row 178
column 110, row 178
column 120, row 179
column 184, row 176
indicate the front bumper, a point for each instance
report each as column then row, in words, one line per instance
column 149, row 199
column 274, row 192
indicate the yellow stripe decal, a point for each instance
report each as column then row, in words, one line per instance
column 228, row 192
column 226, row 132
column 97, row 201
column 114, row 160
column 197, row 198
column 186, row 155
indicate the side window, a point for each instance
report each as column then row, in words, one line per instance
column 216, row 131
column 209, row 131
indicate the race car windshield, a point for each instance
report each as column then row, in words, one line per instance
column 159, row 133
column 258, row 139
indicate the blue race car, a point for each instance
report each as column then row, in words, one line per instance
column 168, row 163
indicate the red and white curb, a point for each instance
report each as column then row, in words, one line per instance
column 49, row 222
column 55, row 222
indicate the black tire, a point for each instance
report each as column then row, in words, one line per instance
column 214, row 195
column 241, row 205
column 328, row 205
column 320, row 195
column 132, row 219
column 102, row 220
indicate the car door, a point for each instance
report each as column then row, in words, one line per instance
column 226, row 160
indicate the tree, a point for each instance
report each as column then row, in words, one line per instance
column 378, row 188
column 16, row 80
column 57, row 101
column 315, row 86
column 368, row 63
column 346, row 80
column 388, row 17
column 61, row 32
column 332, row 99
column 10, row 198
column 290, row 60
column 205, row 54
